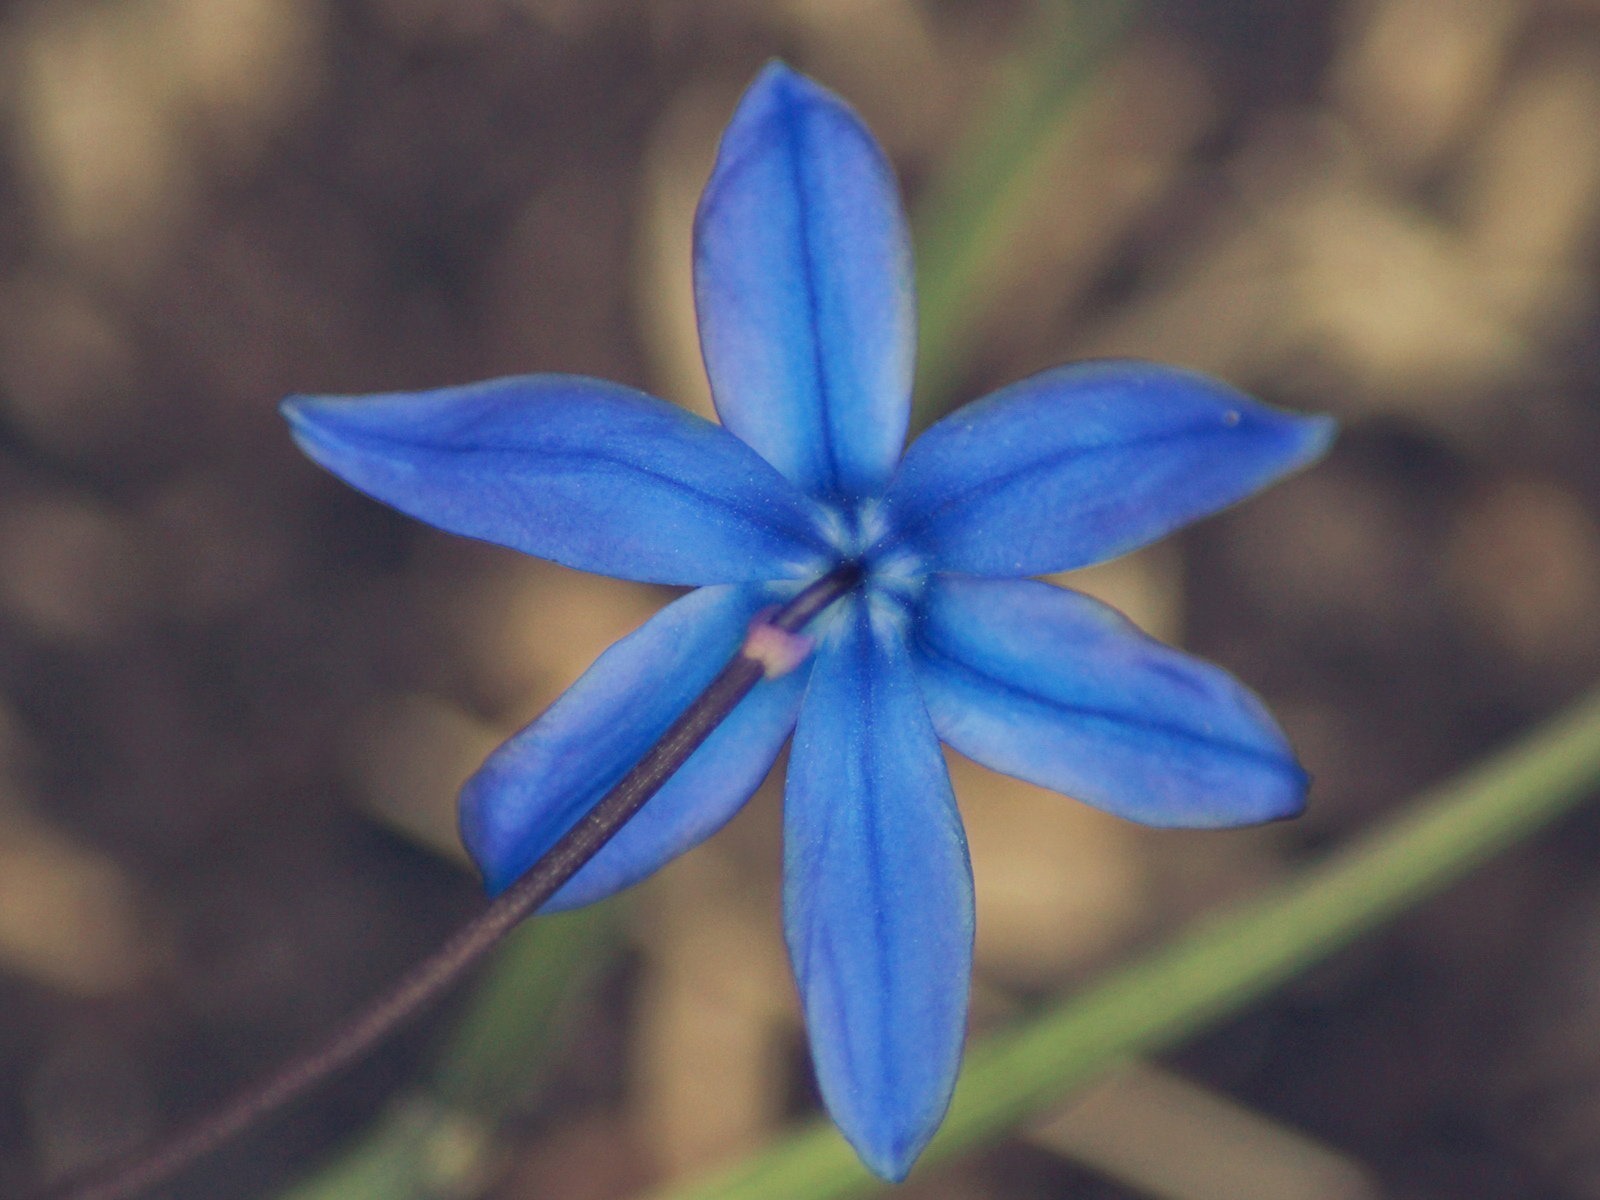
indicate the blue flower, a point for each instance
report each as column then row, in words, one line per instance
column 803, row 286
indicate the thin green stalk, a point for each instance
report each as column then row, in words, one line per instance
column 442, row 1140
column 1220, row 966
column 501, row 1044
column 970, row 213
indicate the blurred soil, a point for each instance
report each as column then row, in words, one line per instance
column 236, row 698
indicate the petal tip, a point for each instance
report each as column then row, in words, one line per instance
column 314, row 419
column 311, row 421
column 478, row 837
column 1293, row 802
column 1314, row 433
column 775, row 72
column 891, row 1162
column 1270, row 785
column 779, row 92
column 888, row 1147
column 781, row 80
column 301, row 411
column 1281, row 800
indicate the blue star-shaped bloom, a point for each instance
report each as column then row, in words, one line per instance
column 803, row 285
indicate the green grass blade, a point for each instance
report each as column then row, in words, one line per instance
column 504, row 1038
column 969, row 214
column 440, row 1141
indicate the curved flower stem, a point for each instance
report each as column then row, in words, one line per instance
column 1220, row 966
column 439, row 971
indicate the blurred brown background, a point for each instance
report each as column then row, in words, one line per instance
column 236, row 698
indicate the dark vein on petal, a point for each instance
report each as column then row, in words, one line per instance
column 944, row 659
column 989, row 485
column 795, row 135
column 763, row 518
column 872, row 814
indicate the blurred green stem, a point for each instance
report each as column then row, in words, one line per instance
column 1221, row 965
column 502, row 1043
column 969, row 215
column 441, row 1140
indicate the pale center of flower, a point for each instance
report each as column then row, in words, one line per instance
column 892, row 575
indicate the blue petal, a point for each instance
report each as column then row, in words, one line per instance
column 590, row 474
column 877, row 895
column 536, row 787
column 803, row 284
column 1055, row 688
column 1086, row 462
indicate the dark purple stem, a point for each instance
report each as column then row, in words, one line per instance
column 143, row 1169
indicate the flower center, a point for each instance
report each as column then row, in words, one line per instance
column 889, row 578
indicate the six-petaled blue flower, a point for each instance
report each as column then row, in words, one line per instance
column 803, row 286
